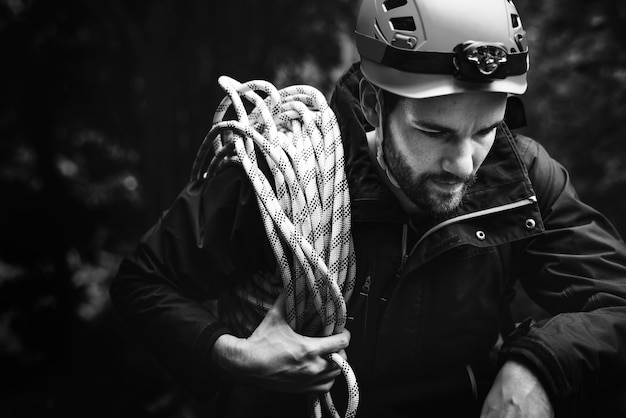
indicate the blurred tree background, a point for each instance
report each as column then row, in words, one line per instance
column 102, row 108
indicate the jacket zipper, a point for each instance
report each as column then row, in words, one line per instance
column 403, row 259
column 525, row 202
column 363, row 295
column 405, row 256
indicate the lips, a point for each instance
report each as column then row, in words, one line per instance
column 447, row 186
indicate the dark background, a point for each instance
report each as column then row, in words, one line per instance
column 103, row 105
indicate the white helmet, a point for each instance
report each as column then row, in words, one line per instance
column 426, row 48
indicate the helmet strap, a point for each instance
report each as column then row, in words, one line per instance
column 375, row 140
column 375, row 144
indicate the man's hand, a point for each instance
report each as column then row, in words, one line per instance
column 277, row 358
column 516, row 393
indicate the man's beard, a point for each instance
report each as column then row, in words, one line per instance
column 429, row 201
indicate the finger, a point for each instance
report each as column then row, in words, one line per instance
column 323, row 382
column 323, row 367
column 227, row 136
column 331, row 344
column 332, row 371
column 318, row 378
column 322, row 387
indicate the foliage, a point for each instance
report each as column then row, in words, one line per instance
column 577, row 96
column 102, row 109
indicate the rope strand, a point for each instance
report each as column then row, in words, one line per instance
column 306, row 214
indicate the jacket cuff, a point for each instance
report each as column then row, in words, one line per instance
column 203, row 346
column 538, row 358
column 206, row 339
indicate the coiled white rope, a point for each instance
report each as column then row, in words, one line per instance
column 306, row 214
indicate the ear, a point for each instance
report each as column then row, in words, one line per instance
column 369, row 102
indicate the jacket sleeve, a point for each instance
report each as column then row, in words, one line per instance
column 202, row 245
column 576, row 271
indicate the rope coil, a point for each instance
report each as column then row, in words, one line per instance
column 306, row 214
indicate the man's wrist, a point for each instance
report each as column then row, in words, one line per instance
column 226, row 355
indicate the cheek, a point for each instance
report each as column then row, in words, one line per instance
column 413, row 149
column 416, row 156
column 482, row 149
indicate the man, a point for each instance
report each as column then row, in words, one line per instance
column 449, row 210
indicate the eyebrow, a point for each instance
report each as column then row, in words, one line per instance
column 432, row 126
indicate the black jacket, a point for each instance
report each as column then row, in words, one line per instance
column 432, row 297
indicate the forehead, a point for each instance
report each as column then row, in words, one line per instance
column 480, row 107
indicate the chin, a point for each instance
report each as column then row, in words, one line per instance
column 441, row 204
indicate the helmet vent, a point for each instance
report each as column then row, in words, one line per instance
column 393, row 4
column 515, row 21
column 403, row 23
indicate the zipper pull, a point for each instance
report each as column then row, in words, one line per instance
column 363, row 294
column 401, row 267
column 405, row 256
column 365, row 290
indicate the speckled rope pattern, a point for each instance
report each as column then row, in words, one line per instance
column 306, row 213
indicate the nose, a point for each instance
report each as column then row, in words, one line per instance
column 458, row 158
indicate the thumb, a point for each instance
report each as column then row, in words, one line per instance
column 278, row 311
column 279, row 303
column 343, row 354
column 275, row 320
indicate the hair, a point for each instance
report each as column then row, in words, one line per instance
column 390, row 101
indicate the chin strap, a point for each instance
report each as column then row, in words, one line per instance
column 375, row 143
column 306, row 214
column 375, row 146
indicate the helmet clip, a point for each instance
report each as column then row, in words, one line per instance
column 480, row 61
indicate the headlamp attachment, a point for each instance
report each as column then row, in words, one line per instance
column 480, row 61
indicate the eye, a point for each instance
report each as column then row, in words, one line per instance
column 431, row 133
column 486, row 132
